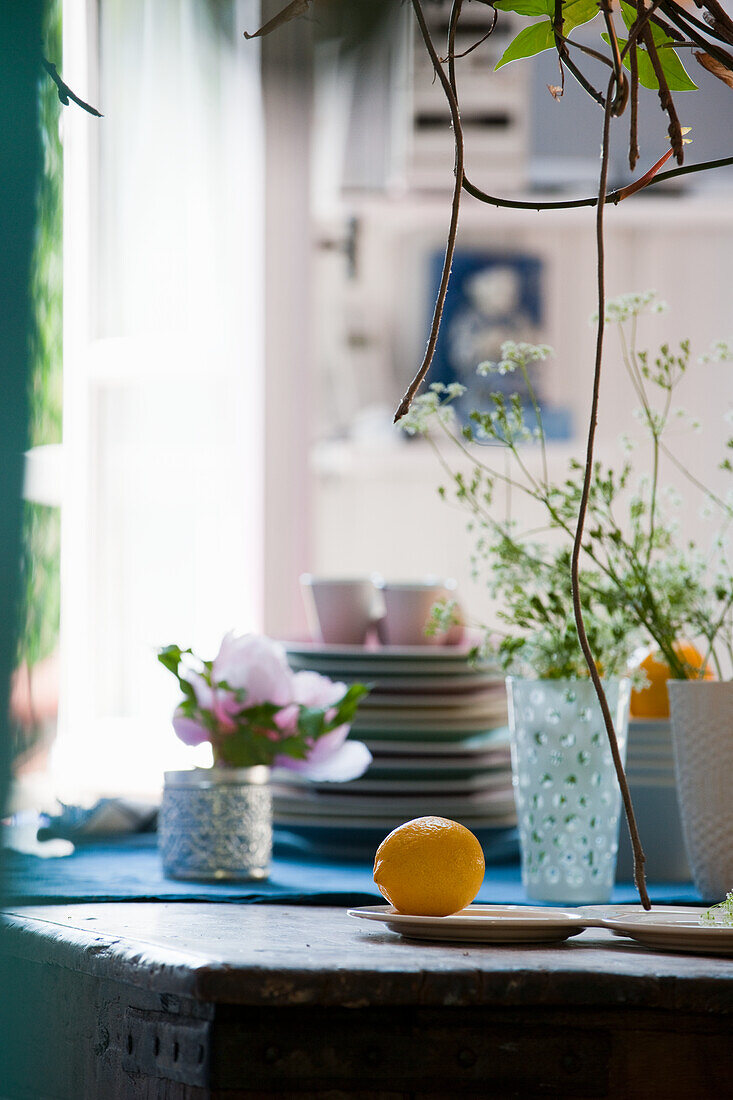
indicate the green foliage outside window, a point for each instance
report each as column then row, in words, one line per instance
column 39, row 627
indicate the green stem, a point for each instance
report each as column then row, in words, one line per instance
column 538, row 417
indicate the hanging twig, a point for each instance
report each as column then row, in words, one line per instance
column 621, row 84
column 634, row 97
column 665, row 96
column 643, row 16
column 480, row 42
column 65, row 92
column 610, row 99
column 291, row 11
column 674, row 11
column 689, row 27
column 721, row 20
column 453, row 229
column 645, row 180
column 639, row 858
column 614, row 197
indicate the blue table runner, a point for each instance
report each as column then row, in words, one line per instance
column 129, row 869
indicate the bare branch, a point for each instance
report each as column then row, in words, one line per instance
column 665, row 96
column 721, row 21
column 453, row 229
column 645, row 180
column 621, row 84
column 480, row 42
column 634, row 120
column 573, row 204
column 291, row 11
column 639, row 857
column 65, row 92
column 691, row 28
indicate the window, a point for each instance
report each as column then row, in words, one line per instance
column 162, row 530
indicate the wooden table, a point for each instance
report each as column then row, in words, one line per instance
column 193, row 1000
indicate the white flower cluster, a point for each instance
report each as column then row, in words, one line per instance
column 671, row 496
column 621, row 309
column 515, row 355
column 720, row 352
column 416, row 420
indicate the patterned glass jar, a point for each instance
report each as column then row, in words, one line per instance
column 565, row 787
column 216, row 824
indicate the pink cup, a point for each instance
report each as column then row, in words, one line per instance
column 339, row 611
column 408, row 609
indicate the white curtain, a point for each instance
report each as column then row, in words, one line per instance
column 162, row 526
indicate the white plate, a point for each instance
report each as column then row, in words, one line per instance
column 669, row 927
column 498, row 801
column 481, row 923
column 377, row 668
column 412, row 767
column 385, row 824
column 657, row 732
column 472, row 746
column 651, row 779
column 650, row 756
column 478, row 702
column 412, row 725
column 463, row 685
column 500, row 778
column 393, row 652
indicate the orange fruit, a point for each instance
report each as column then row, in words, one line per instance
column 652, row 701
column 429, row 867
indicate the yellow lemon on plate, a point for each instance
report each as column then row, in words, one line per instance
column 429, row 867
column 653, row 701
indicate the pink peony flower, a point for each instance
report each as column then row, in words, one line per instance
column 256, row 665
column 256, row 668
column 222, row 704
column 189, row 731
column 331, row 758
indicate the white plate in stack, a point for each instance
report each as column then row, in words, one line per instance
column 436, row 727
column 653, row 788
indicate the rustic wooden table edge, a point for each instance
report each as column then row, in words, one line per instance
column 197, row 1001
column 277, row 954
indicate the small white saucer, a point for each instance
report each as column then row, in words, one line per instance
column 482, row 923
column 667, row 928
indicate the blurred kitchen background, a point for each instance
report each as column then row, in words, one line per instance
column 235, row 275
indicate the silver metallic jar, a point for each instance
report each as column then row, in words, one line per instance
column 216, row 824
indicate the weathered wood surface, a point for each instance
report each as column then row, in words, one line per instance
column 204, row 1002
column 297, row 955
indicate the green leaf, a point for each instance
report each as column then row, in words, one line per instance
column 530, row 41
column 673, row 69
column 629, row 15
column 574, row 12
column 170, row 657
column 525, row 7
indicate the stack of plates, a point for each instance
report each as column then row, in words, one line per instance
column 649, row 755
column 653, row 788
column 436, row 728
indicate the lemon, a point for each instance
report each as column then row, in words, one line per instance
column 652, row 701
column 429, row 867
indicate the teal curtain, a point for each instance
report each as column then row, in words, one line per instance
column 20, row 65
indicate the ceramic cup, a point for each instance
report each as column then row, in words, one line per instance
column 407, row 611
column 339, row 611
